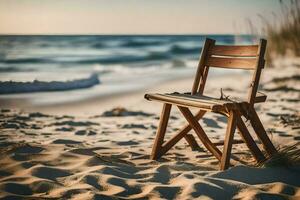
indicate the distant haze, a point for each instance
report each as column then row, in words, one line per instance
column 131, row 16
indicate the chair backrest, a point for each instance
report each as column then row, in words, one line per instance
column 250, row 57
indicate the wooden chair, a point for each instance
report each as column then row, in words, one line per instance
column 249, row 57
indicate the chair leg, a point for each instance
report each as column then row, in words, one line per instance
column 231, row 126
column 183, row 132
column 243, row 131
column 192, row 142
column 200, row 132
column 161, row 130
column 261, row 132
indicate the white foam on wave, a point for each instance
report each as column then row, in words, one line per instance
column 126, row 69
column 13, row 87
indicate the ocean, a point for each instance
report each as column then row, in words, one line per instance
column 54, row 68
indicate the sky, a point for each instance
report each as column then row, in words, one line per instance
column 132, row 16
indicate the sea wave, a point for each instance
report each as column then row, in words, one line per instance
column 152, row 56
column 15, row 69
column 12, row 87
column 24, row 60
column 66, row 60
column 98, row 45
column 135, row 43
column 176, row 49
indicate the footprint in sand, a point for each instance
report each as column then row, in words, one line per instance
column 93, row 181
column 22, row 118
column 28, row 149
column 65, row 129
column 49, row 173
column 38, row 115
column 129, row 126
column 127, row 143
column 85, row 132
column 167, row 192
column 120, row 111
column 43, row 186
column 211, row 123
column 63, row 141
column 16, row 188
column 10, row 125
column 74, row 123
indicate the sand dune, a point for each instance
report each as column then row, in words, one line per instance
column 83, row 166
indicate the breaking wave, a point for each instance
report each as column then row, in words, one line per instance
column 12, row 87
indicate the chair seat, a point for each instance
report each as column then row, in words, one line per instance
column 197, row 101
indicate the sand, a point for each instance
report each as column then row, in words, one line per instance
column 99, row 149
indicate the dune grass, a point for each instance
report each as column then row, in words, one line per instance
column 288, row 156
column 282, row 31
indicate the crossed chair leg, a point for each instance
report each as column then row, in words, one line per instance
column 234, row 122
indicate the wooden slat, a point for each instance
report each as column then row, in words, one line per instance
column 200, row 132
column 207, row 100
column 236, row 63
column 235, row 51
column 198, row 98
column 183, row 102
column 161, row 130
column 231, row 125
column 203, row 102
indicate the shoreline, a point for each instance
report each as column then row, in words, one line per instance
column 87, row 105
column 97, row 104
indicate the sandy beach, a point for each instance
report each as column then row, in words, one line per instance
column 99, row 148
